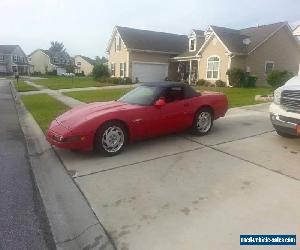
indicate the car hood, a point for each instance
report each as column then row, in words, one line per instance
column 82, row 113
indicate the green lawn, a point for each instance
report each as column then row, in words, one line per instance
column 63, row 82
column 238, row 97
column 44, row 108
column 21, row 86
column 98, row 95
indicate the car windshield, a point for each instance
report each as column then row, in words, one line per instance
column 142, row 95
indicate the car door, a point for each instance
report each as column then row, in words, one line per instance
column 174, row 113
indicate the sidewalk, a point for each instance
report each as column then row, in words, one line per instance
column 23, row 224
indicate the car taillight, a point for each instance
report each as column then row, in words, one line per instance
column 298, row 129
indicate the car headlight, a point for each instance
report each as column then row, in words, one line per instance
column 277, row 96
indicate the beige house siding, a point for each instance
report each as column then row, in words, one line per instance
column 282, row 49
column 40, row 62
column 238, row 62
column 214, row 48
column 118, row 57
column 84, row 66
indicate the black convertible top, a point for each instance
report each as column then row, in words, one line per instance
column 189, row 91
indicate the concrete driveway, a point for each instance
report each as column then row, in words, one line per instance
column 186, row 192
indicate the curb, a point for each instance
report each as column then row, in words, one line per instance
column 72, row 221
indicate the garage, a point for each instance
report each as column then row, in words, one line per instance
column 149, row 72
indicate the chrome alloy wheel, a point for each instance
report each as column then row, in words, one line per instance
column 113, row 139
column 204, row 121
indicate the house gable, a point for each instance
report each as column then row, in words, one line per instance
column 213, row 48
column 280, row 49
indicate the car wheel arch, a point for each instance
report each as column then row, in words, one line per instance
column 208, row 107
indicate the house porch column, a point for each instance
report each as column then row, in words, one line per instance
column 190, row 71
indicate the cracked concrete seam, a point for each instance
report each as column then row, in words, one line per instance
column 242, row 159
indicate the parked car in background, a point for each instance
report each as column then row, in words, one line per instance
column 285, row 110
column 150, row 110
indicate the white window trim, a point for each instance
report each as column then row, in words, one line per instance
column 190, row 41
column 122, row 68
column 266, row 62
column 1, row 58
column 219, row 71
column 114, row 66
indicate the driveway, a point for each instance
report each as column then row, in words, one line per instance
column 186, row 192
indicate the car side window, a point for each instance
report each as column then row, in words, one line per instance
column 173, row 94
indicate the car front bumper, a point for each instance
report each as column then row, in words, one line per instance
column 283, row 121
column 60, row 137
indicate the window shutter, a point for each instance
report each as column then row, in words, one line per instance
column 124, row 69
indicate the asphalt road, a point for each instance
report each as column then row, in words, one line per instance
column 23, row 224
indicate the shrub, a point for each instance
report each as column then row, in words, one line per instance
column 52, row 73
column 220, row 83
column 100, row 71
column 277, row 78
column 80, row 74
column 236, row 77
column 200, row 82
column 115, row 80
column 36, row 73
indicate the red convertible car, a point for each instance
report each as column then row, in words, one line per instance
column 149, row 110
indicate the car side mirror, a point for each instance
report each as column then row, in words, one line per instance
column 160, row 102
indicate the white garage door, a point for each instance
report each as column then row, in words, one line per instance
column 149, row 72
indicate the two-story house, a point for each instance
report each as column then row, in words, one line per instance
column 152, row 56
column 12, row 60
column 84, row 64
column 44, row 61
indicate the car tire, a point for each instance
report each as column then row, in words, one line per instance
column 111, row 138
column 203, row 121
column 285, row 134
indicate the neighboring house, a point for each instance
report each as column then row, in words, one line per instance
column 296, row 31
column 43, row 61
column 142, row 54
column 84, row 65
column 204, row 54
column 12, row 60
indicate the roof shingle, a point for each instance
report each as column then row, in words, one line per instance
column 7, row 49
column 137, row 39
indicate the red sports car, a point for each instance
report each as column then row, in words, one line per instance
column 149, row 110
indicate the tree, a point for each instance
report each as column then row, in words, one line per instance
column 57, row 47
column 100, row 71
column 100, row 60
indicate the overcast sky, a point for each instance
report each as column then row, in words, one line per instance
column 85, row 26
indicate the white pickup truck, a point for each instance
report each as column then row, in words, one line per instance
column 285, row 110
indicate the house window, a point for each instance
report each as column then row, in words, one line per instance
column 269, row 66
column 15, row 58
column 78, row 63
column 1, row 58
column 213, row 68
column 112, row 69
column 192, row 45
column 122, row 69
